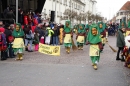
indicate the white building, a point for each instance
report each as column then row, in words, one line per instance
column 59, row 6
column 123, row 13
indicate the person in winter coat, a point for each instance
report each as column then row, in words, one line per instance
column 36, row 40
column 28, row 38
column 55, row 36
column 9, row 40
column 120, row 40
column 3, row 44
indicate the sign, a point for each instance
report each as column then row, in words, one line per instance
column 49, row 50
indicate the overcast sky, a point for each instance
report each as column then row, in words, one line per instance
column 109, row 8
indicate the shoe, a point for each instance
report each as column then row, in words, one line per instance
column 123, row 60
column 12, row 57
column 95, row 67
column 30, row 51
column 93, row 64
column 68, row 52
column 17, row 59
column 21, row 58
column 26, row 49
column 3, row 59
column 118, row 59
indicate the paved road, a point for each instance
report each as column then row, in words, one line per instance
column 66, row 70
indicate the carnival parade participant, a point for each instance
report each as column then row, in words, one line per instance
column 18, row 44
column 120, row 40
column 80, row 37
column 61, row 35
column 126, row 51
column 102, row 32
column 128, row 29
column 94, row 40
column 67, row 36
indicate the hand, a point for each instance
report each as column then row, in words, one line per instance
column 87, row 43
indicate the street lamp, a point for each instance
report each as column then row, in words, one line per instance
column 16, row 11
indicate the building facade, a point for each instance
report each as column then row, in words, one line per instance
column 123, row 13
column 60, row 6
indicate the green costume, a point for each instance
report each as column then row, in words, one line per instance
column 123, row 25
column 81, row 32
column 102, row 32
column 129, row 24
column 67, row 33
column 87, row 29
column 122, row 22
column 94, row 41
column 18, row 43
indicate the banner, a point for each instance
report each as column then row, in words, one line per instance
column 49, row 50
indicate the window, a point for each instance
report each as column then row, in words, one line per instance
column 49, row 12
column 21, row 3
column 60, row 13
column 45, row 11
column 121, row 13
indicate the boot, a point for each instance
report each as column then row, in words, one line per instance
column 20, row 57
column 81, row 48
column 95, row 67
column 26, row 48
column 78, row 47
column 123, row 60
column 117, row 58
column 3, row 55
column 68, row 50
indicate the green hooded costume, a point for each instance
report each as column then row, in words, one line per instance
column 122, row 22
column 81, row 31
column 129, row 24
column 67, row 30
column 94, row 40
column 103, row 27
column 102, row 32
column 18, row 35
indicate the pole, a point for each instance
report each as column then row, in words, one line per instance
column 55, row 11
column 16, row 11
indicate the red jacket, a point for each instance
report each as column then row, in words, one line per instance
column 26, row 20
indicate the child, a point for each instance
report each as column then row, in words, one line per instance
column 36, row 40
column 80, row 37
column 18, row 44
column 94, row 40
column 67, row 36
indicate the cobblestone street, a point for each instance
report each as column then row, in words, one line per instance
column 72, row 69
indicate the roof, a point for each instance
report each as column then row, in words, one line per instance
column 126, row 6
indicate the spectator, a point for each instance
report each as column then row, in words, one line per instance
column 10, row 15
column 55, row 35
column 9, row 40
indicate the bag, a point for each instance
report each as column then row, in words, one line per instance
column 3, row 46
column 10, row 39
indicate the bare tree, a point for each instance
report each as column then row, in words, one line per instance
column 89, row 16
column 70, row 13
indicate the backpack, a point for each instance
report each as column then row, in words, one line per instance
column 10, row 39
column 3, row 45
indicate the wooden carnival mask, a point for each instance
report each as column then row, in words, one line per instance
column 94, row 31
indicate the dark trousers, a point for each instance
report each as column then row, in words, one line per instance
column 10, row 50
column 120, row 49
column 4, row 55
